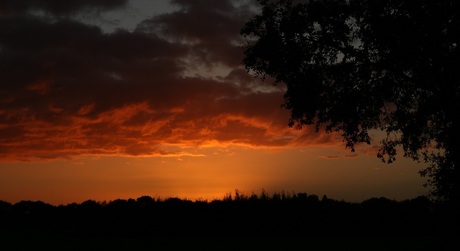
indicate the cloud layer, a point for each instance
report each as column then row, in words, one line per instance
column 69, row 89
column 58, row 7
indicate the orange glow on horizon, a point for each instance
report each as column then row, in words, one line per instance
column 219, row 172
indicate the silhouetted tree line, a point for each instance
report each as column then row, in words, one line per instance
column 275, row 216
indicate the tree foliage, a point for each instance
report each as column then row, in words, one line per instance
column 355, row 65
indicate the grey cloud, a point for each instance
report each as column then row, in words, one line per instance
column 58, row 7
column 211, row 28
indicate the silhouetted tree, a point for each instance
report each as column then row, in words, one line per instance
column 355, row 65
column 4, row 206
column 145, row 201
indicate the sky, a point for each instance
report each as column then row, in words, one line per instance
column 118, row 99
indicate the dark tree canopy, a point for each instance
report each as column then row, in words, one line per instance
column 355, row 65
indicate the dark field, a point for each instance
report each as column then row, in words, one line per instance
column 257, row 222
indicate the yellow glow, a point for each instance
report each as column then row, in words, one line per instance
column 219, row 172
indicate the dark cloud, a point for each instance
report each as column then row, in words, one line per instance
column 69, row 89
column 58, row 7
column 225, row 7
column 210, row 28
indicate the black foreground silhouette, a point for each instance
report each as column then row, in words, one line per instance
column 262, row 222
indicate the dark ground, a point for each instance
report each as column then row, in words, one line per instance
column 279, row 222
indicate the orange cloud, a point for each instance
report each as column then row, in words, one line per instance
column 126, row 93
column 330, row 157
column 140, row 130
column 348, row 156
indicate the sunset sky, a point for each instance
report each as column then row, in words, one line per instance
column 119, row 99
